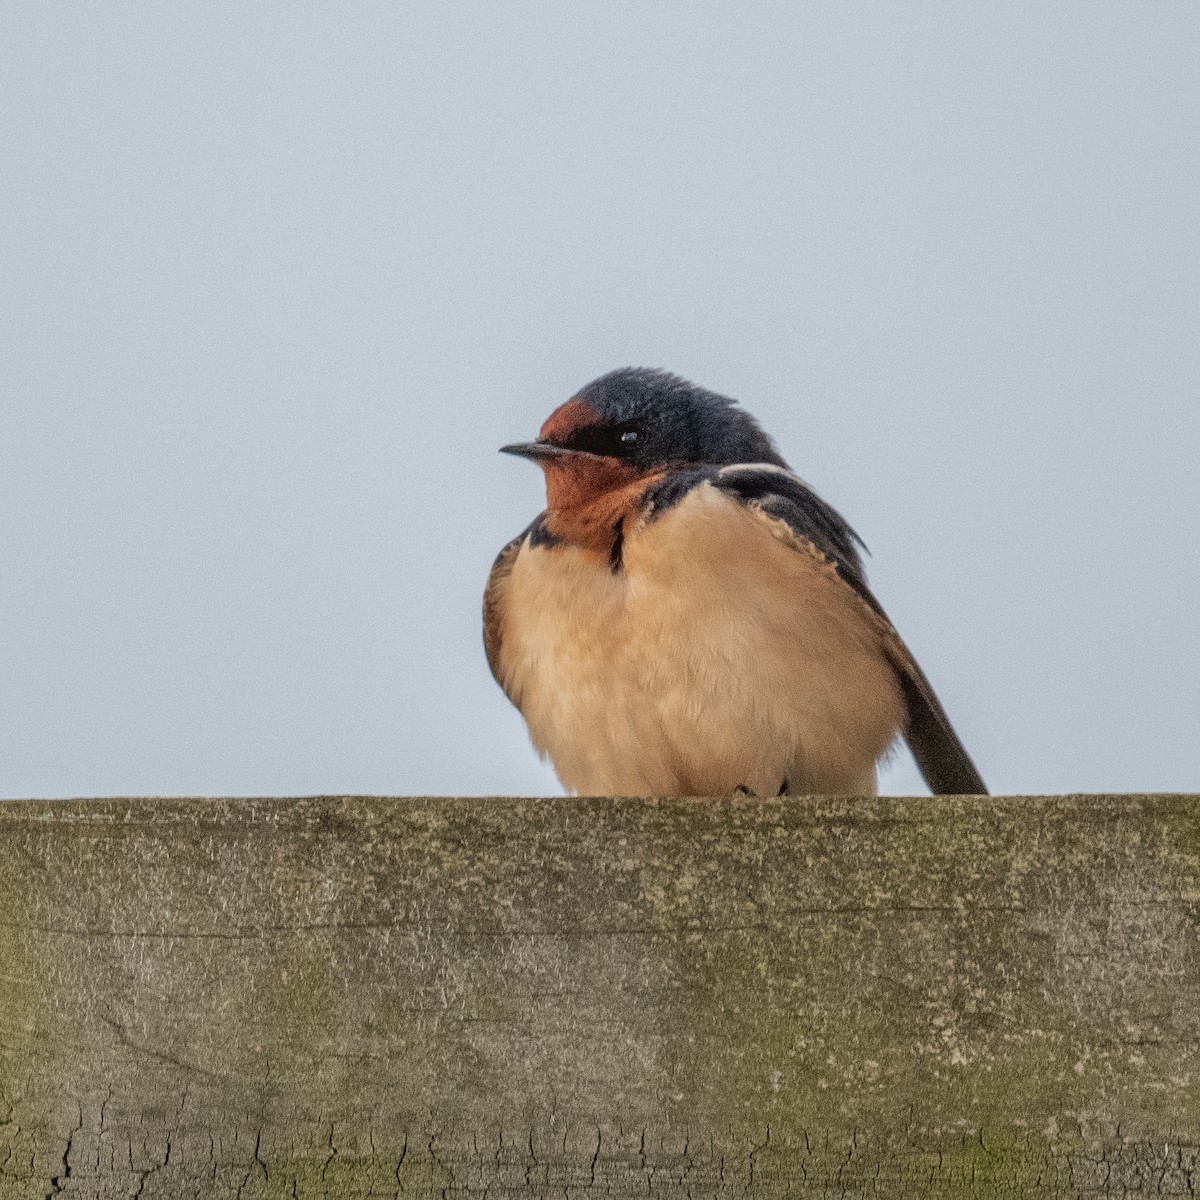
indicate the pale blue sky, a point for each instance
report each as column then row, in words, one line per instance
column 277, row 280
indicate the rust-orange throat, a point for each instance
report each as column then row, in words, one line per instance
column 588, row 494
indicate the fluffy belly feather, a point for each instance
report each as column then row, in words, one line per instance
column 724, row 654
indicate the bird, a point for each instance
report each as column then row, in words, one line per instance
column 687, row 617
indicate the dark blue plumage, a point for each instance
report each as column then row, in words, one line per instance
column 672, row 420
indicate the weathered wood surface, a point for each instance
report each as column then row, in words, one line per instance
column 808, row 997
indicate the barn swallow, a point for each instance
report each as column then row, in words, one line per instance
column 687, row 617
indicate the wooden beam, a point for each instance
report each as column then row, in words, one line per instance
column 353, row 997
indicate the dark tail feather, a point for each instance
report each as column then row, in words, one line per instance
column 943, row 760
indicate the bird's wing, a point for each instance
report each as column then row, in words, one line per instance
column 493, row 595
column 780, row 497
column 493, row 602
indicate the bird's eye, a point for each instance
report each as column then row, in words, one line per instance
column 613, row 440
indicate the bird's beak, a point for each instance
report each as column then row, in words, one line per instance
column 537, row 451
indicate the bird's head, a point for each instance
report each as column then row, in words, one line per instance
column 634, row 424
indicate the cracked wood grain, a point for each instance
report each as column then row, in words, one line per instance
column 352, row 997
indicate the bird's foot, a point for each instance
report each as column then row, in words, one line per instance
column 743, row 790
